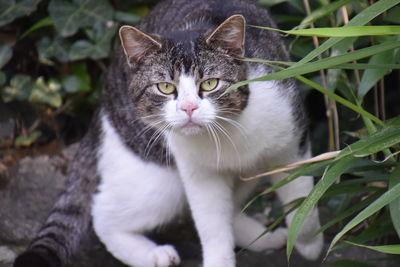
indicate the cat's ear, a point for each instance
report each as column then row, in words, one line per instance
column 137, row 44
column 229, row 36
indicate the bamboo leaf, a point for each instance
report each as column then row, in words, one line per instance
column 384, row 138
column 349, row 66
column 340, row 100
column 346, row 213
column 388, row 249
column 390, row 195
column 371, row 77
column 303, row 170
column 354, row 31
column 323, row 11
column 360, row 19
column 332, row 173
column 394, row 206
column 45, row 22
column 320, row 64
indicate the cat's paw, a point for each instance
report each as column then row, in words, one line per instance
column 273, row 240
column 165, row 256
column 311, row 249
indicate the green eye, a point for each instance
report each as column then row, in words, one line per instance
column 166, row 88
column 209, row 84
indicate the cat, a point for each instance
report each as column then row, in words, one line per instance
column 166, row 137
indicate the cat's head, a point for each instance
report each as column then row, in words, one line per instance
column 178, row 80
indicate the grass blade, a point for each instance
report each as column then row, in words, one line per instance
column 332, row 173
column 321, row 64
column 323, row 11
column 394, row 206
column 372, row 76
column 388, row 249
column 391, row 195
column 354, row 31
column 360, row 19
column 346, row 213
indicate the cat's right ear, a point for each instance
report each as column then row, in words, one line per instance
column 137, row 44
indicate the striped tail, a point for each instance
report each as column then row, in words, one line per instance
column 70, row 218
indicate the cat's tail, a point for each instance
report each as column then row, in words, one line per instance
column 70, row 218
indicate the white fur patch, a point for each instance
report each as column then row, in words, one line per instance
column 134, row 196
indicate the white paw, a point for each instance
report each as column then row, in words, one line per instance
column 274, row 240
column 165, row 256
column 311, row 249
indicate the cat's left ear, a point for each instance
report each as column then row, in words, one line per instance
column 137, row 44
column 229, row 36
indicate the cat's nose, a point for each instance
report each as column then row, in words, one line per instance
column 189, row 107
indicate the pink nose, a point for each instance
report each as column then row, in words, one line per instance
column 189, row 107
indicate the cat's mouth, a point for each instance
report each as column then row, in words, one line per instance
column 191, row 128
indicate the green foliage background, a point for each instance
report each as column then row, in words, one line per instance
column 53, row 54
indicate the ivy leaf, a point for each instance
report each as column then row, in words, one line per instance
column 97, row 48
column 46, row 93
column 3, row 78
column 5, row 54
column 19, row 89
column 69, row 16
column 27, row 140
column 52, row 48
column 12, row 9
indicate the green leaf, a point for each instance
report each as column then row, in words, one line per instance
column 52, row 48
column 3, row 78
column 12, row 9
column 321, row 64
column 19, row 89
column 353, row 31
column 80, row 70
column 346, row 213
column 393, row 15
column 127, row 17
column 5, row 54
column 322, row 12
column 71, row 83
column 46, row 93
column 384, row 138
column 269, row 3
column 376, row 229
column 394, row 206
column 99, row 49
column 388, row 249
column 389, row 196
column 372, row 76
column 304, row 170
column 341, row 100
column 45, row 22
column 69, row 16
column 24, row 141
column 360, row 19
column 332, row 173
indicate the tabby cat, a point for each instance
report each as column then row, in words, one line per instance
column 167, row 137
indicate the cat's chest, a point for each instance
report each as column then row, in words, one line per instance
column 264, row 129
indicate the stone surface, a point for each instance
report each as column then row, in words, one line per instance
column 35, row 183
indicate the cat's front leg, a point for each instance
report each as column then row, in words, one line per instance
column 307, row 245
column 210, row 198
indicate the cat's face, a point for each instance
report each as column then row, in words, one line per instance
column 178, row 82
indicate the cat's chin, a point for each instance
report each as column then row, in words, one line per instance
column 191, row 130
